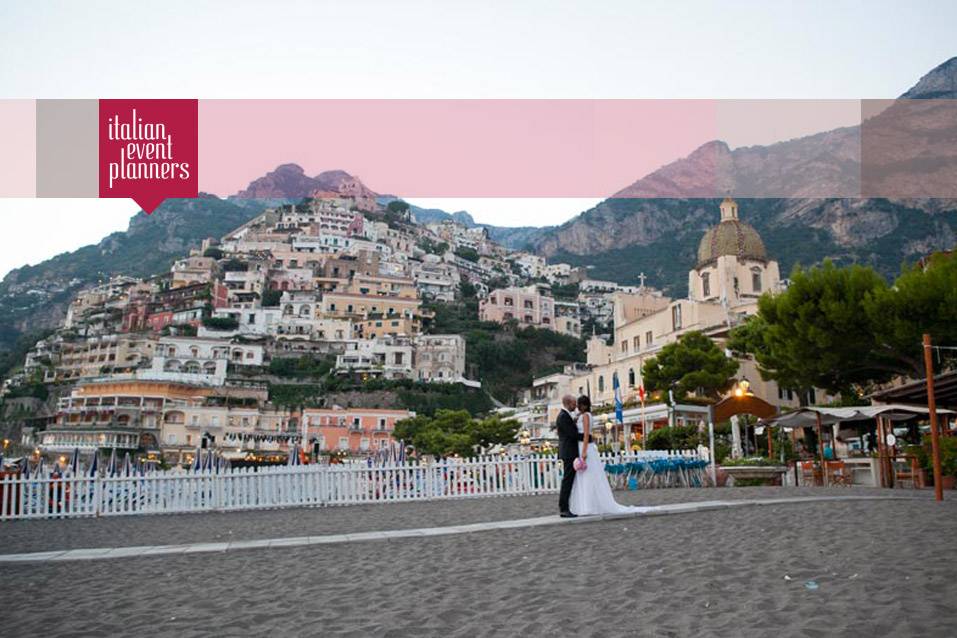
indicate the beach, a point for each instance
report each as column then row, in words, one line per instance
column 881, row 567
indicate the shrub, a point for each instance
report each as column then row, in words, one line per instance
column 220, row 323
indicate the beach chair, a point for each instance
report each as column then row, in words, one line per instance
column 809, row 474
column 907, row 469
column 837, row 473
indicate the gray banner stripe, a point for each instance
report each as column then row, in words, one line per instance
column 67, row 148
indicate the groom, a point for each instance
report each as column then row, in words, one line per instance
column 568, row 438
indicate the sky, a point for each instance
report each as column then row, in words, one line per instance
column 822, row 49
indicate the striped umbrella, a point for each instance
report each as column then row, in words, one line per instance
column 111, row 467
column 197, row 460
column 207, row 461
column 127, row 465
column 75, row 462
column 92, row 470
column 294, row 456
column 25, row 469
column 38, row 470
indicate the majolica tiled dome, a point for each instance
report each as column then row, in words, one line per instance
column 731, row 237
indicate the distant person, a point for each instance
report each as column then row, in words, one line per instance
column 841, row 448
column 828, row 452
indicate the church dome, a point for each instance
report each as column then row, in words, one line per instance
column 731, row 237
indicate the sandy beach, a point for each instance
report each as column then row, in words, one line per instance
column 739, row 572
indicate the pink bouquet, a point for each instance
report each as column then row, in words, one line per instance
column 580, row 465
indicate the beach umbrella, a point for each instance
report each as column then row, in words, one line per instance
column 111, row 467
column 38, row 470
column 75, row 462
column 127, row 465
column 25, row 470
column 207, row 463
column 92, row 470
column 294, row 456
column 197, row 460
column 57, row 470
column 1, row 460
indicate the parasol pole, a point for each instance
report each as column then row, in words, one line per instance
column 932, row 408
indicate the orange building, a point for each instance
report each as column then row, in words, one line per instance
column 355, row 430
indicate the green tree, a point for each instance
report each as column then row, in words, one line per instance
column 494, row 430
column 844, row 329
column 271, row 297
column 694, row 363
column 397, row 206
column 922, row 300
column 467, row 253
column 454, row 432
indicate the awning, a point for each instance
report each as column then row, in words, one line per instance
column 915, row 392
column 808, row 417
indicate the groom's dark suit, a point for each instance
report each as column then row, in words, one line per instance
column 568, row 438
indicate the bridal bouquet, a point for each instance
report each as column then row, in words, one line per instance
column 580, row 465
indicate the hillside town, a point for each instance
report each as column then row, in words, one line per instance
column 191, row 358
column 196, row 357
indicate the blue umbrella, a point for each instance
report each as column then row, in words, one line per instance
column 75, row 462
column 38, row 470
column 294, row 456
column 92, row 470
column 111, row 466
column 127, row 465
column 25, row 469
column 197, row 460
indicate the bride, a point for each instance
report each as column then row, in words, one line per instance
column 591, row 492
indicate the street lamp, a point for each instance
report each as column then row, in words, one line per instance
column 742, row 388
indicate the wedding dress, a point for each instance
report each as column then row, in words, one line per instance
column 591, row 492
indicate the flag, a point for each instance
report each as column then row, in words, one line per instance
column 619, row 407
column 91, row 471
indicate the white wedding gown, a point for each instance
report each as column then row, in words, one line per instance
column 591, row 492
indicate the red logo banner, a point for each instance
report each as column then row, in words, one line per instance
column 149, row 150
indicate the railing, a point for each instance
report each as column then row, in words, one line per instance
column 278, row 487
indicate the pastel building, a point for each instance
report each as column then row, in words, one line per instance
column 530, row 306
column 354, row 430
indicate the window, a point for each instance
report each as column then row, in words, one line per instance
column 624, row 346
column 636, row 344
column 601, row 384
column 676, row 317
column 649, row 338
column 756, row 280
column 706, row 284
column 343, row 443
column 631, row 377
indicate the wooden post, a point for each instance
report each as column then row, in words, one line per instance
column 879, row 432
column 932, row 408
column 767, row 430
column 820, row 447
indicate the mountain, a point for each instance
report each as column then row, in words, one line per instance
column 33, row 298
column 290, row 182
column 513, row 237
column 658, row 220
column 940, row 83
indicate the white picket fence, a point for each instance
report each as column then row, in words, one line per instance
column 277, row 487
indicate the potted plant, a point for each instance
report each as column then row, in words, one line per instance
column 948, row 460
